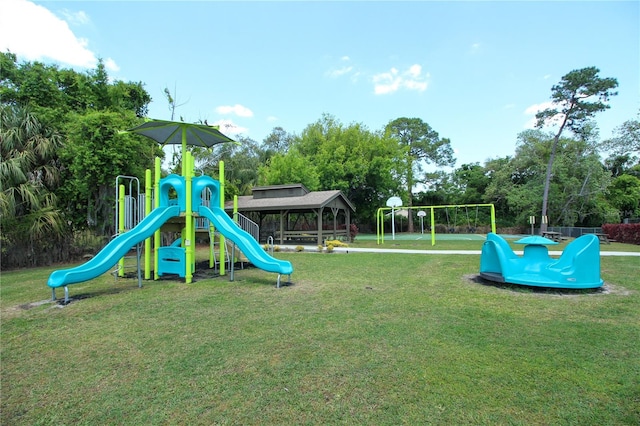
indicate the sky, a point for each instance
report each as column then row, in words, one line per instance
column 476, row 72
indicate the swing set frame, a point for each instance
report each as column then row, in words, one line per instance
column 383, row 210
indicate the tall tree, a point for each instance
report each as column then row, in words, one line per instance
column 353, row 159
column 95, row 153
column 471, row 181
column 579, row 180
column 625, row 140
column 28, row 176
column 420, row 145
column 277, row 142
column 241, row 163
column 576, row 99
column 624, row 195
column 53, row 93
column 329, row 155
column 172, row 100
column 291, row 167
column 619, row 165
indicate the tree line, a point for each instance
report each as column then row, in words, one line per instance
column 62, row 147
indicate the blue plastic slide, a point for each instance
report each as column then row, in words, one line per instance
column 245, row 242
column 114, row 251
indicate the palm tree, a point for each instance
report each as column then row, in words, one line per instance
column 28, row 175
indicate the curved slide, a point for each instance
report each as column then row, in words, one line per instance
column 245, row 241
column 114, row 251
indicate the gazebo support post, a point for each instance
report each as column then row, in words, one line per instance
column 335, row 211
column 319, row 212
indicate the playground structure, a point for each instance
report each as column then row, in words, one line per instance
column 577, row 268
column 382, row 211
column 199, row 204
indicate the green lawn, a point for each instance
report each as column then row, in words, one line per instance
column 462, row 242
column 360, row 338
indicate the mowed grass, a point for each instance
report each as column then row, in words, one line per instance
column 417, row 241
column 359, row 338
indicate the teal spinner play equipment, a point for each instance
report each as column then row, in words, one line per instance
column 577, row 268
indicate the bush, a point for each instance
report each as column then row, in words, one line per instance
column 299, row 248
column 336, row 243
column 329, row 248
column 87, row 242
column 353, row 231
column 441, row 229
column 623, row 232
column 21, row 252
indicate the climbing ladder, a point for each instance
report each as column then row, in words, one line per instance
column 129, row 211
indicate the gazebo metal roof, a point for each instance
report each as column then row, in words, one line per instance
column 284, row 200
column 309, row 201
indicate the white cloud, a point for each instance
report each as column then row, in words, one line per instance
column 228, row 127
column 335, row 73
column 394, row 80
column 76, row 18
column 111, row 65
column 535, row 108
column 237, row 109
column 272, row 118
column 532, row 110
column 414, row 71
column 340, row 70
column 35, row 33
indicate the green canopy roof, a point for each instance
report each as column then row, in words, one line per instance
column 179, row 133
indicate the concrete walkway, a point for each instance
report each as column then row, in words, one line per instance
column 467, row 252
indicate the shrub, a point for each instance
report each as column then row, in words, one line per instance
column 276, row 248
column 329, row 248
column 320, row 248
column 623, row 232
column 87, row 242
column 441, row 229
column 299, row 248
column 336, row 243
column 353, row 231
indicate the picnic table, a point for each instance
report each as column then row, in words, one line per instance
column 603, row 238
column 554, row 236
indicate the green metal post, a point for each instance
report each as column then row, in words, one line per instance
column 188, row 227
column 147, row 210
column 222, row 239
column 192, row 167
column 121, row 225
column 156, row 235
column 433, row 228
column 235, row 208
column 493, row 219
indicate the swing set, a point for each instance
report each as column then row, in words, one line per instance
column 451, row 218
column 454, row 229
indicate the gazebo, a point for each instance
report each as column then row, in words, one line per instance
column 300, row 214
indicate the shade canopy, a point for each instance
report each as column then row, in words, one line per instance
column 179, row 133
column 535, row 239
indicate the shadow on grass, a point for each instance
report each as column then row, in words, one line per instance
column 518, row 288
column 94, row 293
column 202, row 272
